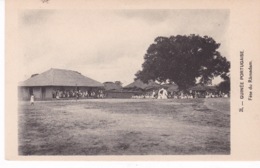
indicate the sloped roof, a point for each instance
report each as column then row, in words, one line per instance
column 211, row 88
column 60, row 77
column 138, row 84
column 112, row 86
column 171, row 87
column 198, row 88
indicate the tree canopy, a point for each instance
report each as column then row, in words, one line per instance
column 183, row 60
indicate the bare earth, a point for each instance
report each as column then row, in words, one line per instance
column 125, row 127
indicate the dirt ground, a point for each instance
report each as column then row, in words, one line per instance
column 125, row 127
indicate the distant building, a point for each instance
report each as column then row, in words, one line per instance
column 111, row 86
column 141, row 89
column 138, row 85
column 172, row 88
column 113, row 90
column 203, row 90
column 58, row 83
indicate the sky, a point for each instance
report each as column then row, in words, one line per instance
column 108, row 45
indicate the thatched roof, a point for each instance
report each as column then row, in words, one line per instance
column 138, row 84
column 212, row 88
column 198, row 88
column 112, row 86
column 60, row 77
column 171, row 87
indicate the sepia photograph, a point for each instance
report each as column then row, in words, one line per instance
column 124, row 82
column 131, row 81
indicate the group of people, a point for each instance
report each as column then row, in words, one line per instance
column 58, row 94
column 161, row 94
column 164, row 94
column 197, row 94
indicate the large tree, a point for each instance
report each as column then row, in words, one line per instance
column 183, row 60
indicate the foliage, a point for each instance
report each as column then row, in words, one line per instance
column 183, row 60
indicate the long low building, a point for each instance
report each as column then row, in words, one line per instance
column 59, row 83
column 138, row 85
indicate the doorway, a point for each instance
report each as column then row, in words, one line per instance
column 30, row 91
column 43, row 92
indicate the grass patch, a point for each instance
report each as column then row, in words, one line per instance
column 125, row 127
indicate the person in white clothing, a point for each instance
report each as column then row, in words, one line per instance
column 162, row 94
column 165, row 94
column 32, row 99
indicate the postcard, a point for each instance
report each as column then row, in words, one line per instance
column 132, row 80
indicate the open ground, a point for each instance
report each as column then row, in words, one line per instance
column 125, row 127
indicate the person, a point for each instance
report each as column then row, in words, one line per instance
column 160, row 92
column 32, row 99
column 165, row 94
column 57, row 94
column 77, row 95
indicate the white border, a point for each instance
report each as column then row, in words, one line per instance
column 68, row 164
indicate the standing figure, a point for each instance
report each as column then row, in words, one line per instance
column 164, row 94
column 32, row 99
column 160, row 94
column 77, row 95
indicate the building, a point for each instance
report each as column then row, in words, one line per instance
column 111, row 86
column 113, row 90
column 140, row 88
column 57, row 84
column 138, row 85
column 171, row 87
column 203, row 90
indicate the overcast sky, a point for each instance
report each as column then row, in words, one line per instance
column 108, row 45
